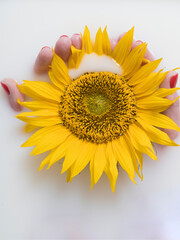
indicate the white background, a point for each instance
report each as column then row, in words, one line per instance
column 41, row 205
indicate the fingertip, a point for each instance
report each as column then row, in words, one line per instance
column 6, row 89
column 76, row 40
column 149, row 55
column 43, row 60
column 10, row 86
column 120, row 36
column 173, row 80
column 170, row 80
column 63, row 47
column 113, row 43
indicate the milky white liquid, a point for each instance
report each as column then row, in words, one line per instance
column 94, row 63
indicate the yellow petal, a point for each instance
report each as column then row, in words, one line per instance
column 71, row 62
column 54, row 78
column 149, row 84
column 86, row 154
column 124, row 156
column 91, row 167
column 140, row 140
column 99, row 161
column 29, row 128
column 68, row 178
column 118, row 156
column 41, row 113
column 45, row 162
column 112, row 160
column 132, row 153
column 41, row 121
column 111, row 179
column 134, row 60
column 111, row 166
column 154, row 103
column 98, row 43
column 106, row 42
column 155, row 134
column 59, row 152
column 87, row 41
column 75, row 50
column 37, row 105
column 123, row 47
column 59, row 71
column 51, row 140
column 74, row 57
column 38, row 136
column 158, row 120
column 40, row 90
column 145, row 61
column 139, row 157
column 144, row 72
column 164, row 92
column 72, row 153
column 81, row 55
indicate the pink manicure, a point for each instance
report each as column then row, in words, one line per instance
column 5, row 88
column 10, row 86
column 173, row 80
column 44, row 47
column 139, row 41
column 63, row 36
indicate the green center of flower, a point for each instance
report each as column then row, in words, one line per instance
column 97, row 103
column 98, row 107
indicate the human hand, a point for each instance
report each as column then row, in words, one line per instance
column 63, row 50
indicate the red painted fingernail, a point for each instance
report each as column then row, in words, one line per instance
column 173, row 80
column 139, row 41
column 5, row 88
column 63, row 36
column 44, row 47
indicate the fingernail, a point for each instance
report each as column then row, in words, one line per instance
column 44, row 47
column 77, row 34
column 173, row 80
column 63, row 36
column 139, row 41
column 5, row 88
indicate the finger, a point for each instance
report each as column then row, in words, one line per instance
column 148, row 55
column 63, row 47
column 76, row 40
column 170, row 81
column 122, row 35
column 43, row 60
column 10, row 86
column 113, row 43
column 173, row 111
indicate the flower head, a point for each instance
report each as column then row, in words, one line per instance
column 99, row 118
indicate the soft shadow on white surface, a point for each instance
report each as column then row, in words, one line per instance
column 41, row 205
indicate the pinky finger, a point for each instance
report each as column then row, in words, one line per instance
column 10, row 86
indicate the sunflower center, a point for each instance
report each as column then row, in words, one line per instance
column 97, row 103
column 98, row 107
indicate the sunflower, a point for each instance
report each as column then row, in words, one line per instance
column 103, row 119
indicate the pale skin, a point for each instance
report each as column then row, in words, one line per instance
column 63, row 50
